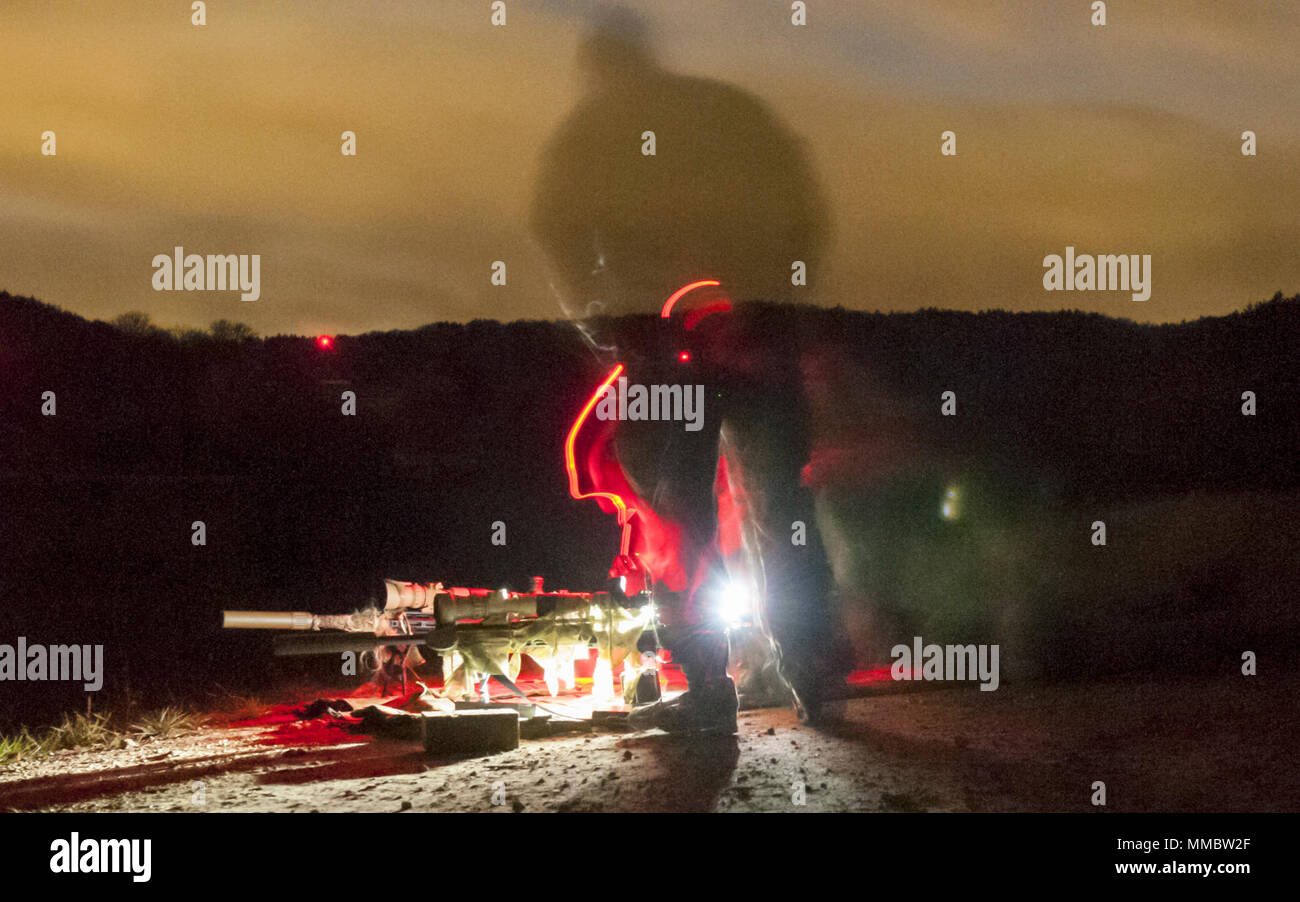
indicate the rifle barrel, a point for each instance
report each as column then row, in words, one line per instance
column 266, row 620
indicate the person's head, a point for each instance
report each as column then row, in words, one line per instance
column 617, row 49
column 658, row 179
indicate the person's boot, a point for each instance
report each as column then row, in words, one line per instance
column 818, row 696
column 753, row 666
column 808, row 704
column 813, row 662
column 707, row 707
column 762, row 687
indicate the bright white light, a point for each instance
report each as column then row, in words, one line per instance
column 951, row 507
column 602, row 682
column 567, row 674
column 736, row 604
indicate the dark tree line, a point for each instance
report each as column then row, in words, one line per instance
column 461, row 425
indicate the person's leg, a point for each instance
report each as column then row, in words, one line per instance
column 768, row 436
column 673, row 469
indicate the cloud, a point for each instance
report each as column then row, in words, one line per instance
column 225, row 139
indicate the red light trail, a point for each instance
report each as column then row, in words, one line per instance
column 677, row 295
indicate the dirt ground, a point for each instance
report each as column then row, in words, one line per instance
column 1225, row 744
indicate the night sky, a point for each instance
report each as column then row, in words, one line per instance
column 226, row 139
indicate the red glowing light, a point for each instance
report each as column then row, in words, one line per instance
column 694, row 316
column 681, row 292
column 572, row 467
column 648, row 545
column 324, row 342
column 684, row 356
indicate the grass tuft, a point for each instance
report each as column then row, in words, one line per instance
column 81, row 731
column 95, row 730
column 164, row 723
column 17, row 747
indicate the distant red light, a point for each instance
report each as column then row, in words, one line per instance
column 324, row 342
column 684, row 356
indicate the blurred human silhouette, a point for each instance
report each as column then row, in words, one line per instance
column 729, row 193
column 727, row 196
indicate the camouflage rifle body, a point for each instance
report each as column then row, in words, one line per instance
column 477, row 630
